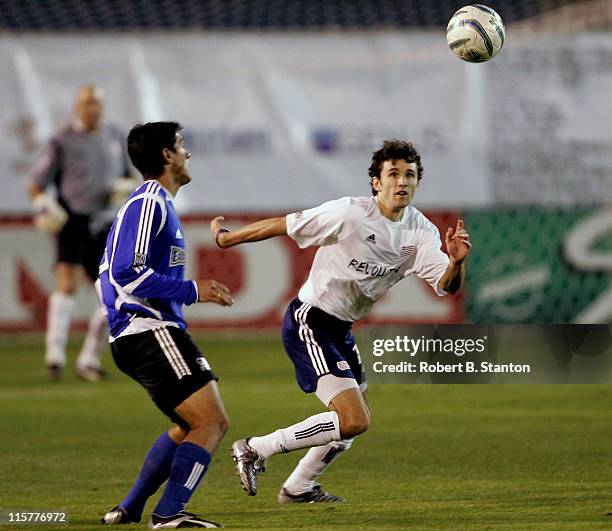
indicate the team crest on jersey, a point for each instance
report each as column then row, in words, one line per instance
column 140, row 259
column 343, row 365
column 177, row 256
column 407, row 250
column 203, row 364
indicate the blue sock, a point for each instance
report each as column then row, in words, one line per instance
column 155, row 470
column 188, row 468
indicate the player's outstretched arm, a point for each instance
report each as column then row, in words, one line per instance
column 458, row 246
column 254, row 232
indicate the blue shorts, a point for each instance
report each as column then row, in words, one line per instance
column 319, row 344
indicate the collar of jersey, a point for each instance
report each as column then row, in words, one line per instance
column 387, row 220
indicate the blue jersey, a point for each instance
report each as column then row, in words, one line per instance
column 141, row 283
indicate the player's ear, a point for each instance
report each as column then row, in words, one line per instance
column 167, row 154
column 376, row 184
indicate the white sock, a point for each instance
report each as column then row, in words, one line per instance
column 313, row 464
column 317, row 430
column 59, row 315
column 90, row 353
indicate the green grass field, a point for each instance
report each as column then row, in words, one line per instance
column 436, row 457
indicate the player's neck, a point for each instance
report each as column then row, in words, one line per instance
column 392, row 214
column 169, row 183
column 80, row 126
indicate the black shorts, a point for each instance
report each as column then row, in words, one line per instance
column 77, row 244
column 167, row 363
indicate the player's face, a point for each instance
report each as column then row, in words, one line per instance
column 397, row 183
column 90, row 106
column 180, row 161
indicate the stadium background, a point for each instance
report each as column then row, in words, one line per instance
column 282, row 104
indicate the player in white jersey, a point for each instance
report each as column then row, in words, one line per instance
column 367, row 244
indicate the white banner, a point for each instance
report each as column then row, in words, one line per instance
column 282, row 121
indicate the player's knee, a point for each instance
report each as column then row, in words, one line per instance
column 353, row 425
column 362, row 424
column 223, row 424
column 218, row 421
column 67, row 289
column 177, row 434
column 207, row 421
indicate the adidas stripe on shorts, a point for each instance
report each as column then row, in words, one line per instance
column 319, row 344
column 167, row 363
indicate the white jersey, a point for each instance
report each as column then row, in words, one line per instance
column 362, row 253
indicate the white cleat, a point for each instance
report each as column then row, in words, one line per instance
column 246, row 459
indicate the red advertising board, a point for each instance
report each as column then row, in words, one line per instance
column 263, row 277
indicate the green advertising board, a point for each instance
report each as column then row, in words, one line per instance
column 540, row 266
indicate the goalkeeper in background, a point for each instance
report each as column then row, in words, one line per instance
column 86, row 162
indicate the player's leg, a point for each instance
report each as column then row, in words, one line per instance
column 177, row 376
column 70, row 245
column 154, row 472
column 59, row 316
column 314, row 354
column 347, row 419
column 88, row 364
column 301, row 485
column 205, row 414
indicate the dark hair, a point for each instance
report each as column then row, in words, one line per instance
column 145, row 144
column 394, row 149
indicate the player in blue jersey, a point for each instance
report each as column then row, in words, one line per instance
column 142, row 287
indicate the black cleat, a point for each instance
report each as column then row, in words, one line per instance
column 116, row 516
column 314, row 495
column 246, row 458
column 55, row 371
column 181, row 520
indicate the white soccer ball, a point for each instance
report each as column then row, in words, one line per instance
column 475, row 33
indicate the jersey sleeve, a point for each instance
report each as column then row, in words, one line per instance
column 325, row 224
column 431, row 262
column 48, row 169
column 141, row 222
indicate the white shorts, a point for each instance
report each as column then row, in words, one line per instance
column 329, row 386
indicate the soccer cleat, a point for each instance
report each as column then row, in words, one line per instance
column 55, row 371
column 260, row 465
column 245, row 458
column 181, row 520
column 91, row 374
column 314, row 495
column 116, row 516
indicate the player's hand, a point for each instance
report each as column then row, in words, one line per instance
column 49, row 215
column 213, row 291
column 458, row 243
column 217, row 230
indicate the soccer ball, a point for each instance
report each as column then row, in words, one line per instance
column 475, row 33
